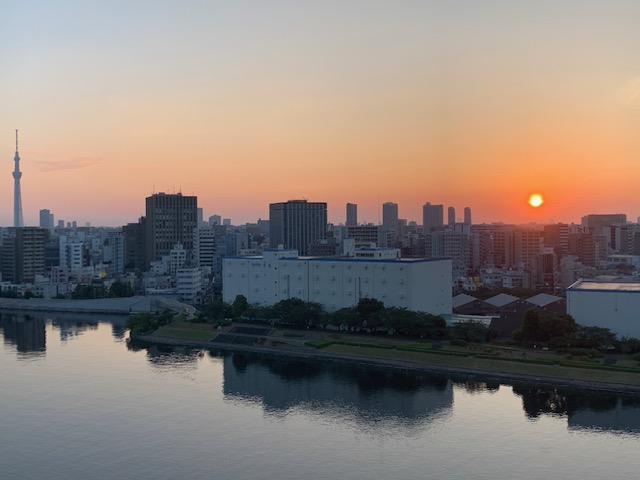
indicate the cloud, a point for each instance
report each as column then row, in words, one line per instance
column 72, row 164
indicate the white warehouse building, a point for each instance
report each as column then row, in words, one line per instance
column 338, row 282
column 610, row 304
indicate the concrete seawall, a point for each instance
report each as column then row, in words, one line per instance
column 115, row 306
column 312, row 353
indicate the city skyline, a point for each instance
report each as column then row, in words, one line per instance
column 480, row 104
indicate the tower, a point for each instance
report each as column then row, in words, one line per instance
column 18, row 221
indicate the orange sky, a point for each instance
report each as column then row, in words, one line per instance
column 245, row 103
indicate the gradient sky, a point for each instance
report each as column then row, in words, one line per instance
column 243, row 103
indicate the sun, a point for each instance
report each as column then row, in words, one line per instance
column 535, row 200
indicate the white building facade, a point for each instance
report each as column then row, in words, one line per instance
column 338, row 282
column 612, row 305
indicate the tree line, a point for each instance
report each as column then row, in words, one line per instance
column 560, row 331
column 369, row 315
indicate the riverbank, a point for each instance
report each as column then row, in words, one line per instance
column 102, row 306
column 418, row 361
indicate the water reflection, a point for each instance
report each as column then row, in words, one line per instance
column 594, row 411
column 282, row 384
column 27, row 333
column 69, row 329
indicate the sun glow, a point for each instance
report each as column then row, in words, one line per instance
column 536, row 200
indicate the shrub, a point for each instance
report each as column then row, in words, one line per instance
column 458, row 342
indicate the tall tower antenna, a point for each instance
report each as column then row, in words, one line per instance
column 18, row 220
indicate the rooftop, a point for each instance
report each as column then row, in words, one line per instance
column 605, row 286
column 543, row 299
column 501, row 300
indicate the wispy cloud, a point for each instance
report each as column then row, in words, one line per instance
column 71, row 164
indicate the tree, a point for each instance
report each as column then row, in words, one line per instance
column 298, row 313
column 121, row 289
column 471, row 331
column 555, row 330
column 239, row 305
column 371, row 313
column 594, row 337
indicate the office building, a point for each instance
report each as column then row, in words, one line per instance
column 390, row 216
column 170, row 219
column 297, row 224
column 46, row 219
column 467, row 215
column 451, row 216
column 352, row 215
column 433, row 216
column 22, row 254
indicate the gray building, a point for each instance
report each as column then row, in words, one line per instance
column 432, row 216
column 170, row 219
column 352, row 215
column 297, row 224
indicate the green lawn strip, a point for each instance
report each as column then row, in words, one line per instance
column 190, row 331
column 493, row 365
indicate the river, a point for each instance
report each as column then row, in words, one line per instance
column 78, row 400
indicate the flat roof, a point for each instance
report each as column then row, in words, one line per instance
column 342, row 259
column 596, row 286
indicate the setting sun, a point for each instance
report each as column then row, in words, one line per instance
column 536, row 200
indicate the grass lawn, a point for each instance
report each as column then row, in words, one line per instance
column 499, row 366
column 187, row 330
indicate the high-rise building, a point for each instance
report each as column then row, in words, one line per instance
column 352, row 215
column 18, row 220
column 467, row 215
column 170, row 219
column 22, row 255
column 596, row 222
column 432, row 216
column 135, row 245
column 215, row 220
column 204, row 246
column 390, row 216
column 451, row 216
column 297, row 224
column 46, row 219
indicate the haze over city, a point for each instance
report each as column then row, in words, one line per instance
column 477, row 104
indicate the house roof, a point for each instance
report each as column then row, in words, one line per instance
column 543, row 299
column 462, row 299
column 501, row 300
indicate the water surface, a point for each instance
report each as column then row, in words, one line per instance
column 78, row 401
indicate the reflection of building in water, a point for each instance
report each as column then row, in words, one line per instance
column 27, row 333
column 583, row 410
column 69, row 329
column 623, row 416
column 281, row 383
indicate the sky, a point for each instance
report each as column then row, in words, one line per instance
column 245, row 103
